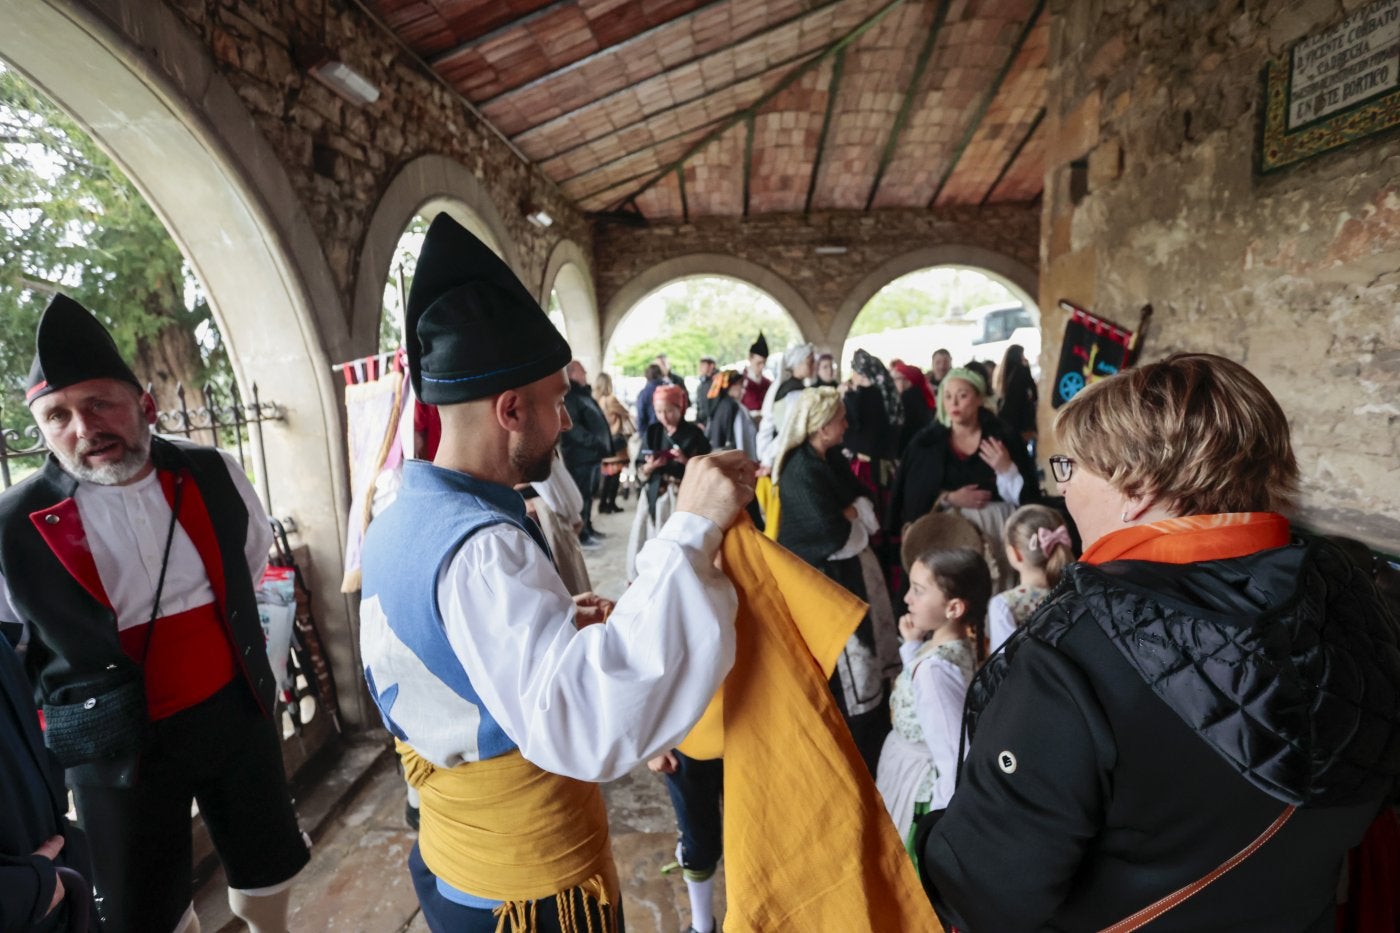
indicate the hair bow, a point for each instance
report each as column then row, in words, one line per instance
column 1045, row 540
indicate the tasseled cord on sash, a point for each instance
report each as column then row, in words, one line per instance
column 523, row 916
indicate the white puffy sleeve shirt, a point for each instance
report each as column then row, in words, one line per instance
column 591, row 703
column 126, row 527
column 940, row 690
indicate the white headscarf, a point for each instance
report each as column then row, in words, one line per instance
column 796, row 354
column 811, row 410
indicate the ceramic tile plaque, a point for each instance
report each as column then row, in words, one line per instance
column 1333, row 87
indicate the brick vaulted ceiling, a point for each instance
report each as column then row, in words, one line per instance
column 682, row 108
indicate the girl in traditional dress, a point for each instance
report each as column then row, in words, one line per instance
column 1039, row 548
column 942, row 638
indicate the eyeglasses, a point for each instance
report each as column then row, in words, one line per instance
column 1062, row 467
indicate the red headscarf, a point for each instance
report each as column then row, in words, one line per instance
column 916, row 378
column 668, row 394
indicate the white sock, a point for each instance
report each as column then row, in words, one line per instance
column 702, row 910
column 189, row 923
column 264, row 913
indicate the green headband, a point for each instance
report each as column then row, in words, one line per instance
column 971, row 377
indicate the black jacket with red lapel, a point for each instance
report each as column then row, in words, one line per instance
column 54, row 585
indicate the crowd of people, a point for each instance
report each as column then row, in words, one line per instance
column 920, row 489
column 1140, row 695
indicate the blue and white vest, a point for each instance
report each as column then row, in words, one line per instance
column 423, row 693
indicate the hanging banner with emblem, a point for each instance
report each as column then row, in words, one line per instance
column 1093, row 349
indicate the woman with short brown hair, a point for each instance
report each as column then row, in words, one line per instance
column 1204, row 680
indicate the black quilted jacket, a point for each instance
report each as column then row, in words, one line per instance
column 1152, row 720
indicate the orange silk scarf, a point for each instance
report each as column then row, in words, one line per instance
column 1193, row 538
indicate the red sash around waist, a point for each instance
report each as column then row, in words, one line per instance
column 189, row 660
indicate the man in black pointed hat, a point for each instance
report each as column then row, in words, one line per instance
column 756, row 381
column 509, row 704
column 126, row 576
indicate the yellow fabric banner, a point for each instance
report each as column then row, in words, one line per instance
column 808, row 843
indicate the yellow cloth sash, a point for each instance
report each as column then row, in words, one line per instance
column 808, row 844
column 506, row 830
column 767, row 496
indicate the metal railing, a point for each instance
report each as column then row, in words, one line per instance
column 224, row 420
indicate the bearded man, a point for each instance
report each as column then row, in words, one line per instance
column 126, row 578
column 508, row 702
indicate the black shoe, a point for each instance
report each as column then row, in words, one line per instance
column 589, row 541
column 595, row 533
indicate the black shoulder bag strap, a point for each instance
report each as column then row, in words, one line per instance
column 164, row 565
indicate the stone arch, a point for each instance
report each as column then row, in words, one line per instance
column 568, row 273
column 1018, row 278
column 698, row 264
column 427, row 185
column 143, row 86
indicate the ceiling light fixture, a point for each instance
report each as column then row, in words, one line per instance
column 539, row 217
column 337, row 75
column 830, row 249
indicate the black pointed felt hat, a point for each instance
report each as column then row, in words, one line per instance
column 760, row 346
column 72, row 346
column 473, row 329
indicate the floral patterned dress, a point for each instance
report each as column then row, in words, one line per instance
column 918, row 762
column 1010, row 610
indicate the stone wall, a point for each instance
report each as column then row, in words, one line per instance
column 341, row 157
column 1152, row 197
column 785, row 244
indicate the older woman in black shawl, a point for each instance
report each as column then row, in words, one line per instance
column 827, row 519
column 874, row 415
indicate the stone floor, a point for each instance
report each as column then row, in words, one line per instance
column 357, row 879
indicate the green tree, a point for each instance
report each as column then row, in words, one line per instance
column 703, row 316
column 927, row 297
column 71, row 221
column 401, row 268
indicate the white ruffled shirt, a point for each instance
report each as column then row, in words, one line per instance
column 588, row 703
column 939, row 692
column 126, row 528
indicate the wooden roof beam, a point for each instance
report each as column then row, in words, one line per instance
column 658, row 113
column 832, row 87
column 628, row 155
column 751, row 37
column 622, row 46
column 976, row 123
column 748, row 161
column 1015, row 154
column 793, row 76
column 477, row 42
column 906, row 106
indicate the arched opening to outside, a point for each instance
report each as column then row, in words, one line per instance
column 691, row 317
column 572, row 307
column 74, row 223
column 972, row 314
